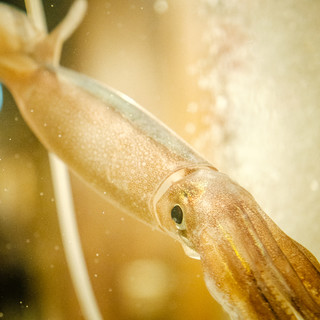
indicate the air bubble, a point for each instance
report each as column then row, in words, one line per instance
column 192, row 107
column 160, row 6
column 190, row 128
column 314, row 185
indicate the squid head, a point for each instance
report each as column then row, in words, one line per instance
column 251, row 267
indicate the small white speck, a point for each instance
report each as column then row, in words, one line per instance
column 122, row 219
column 95, row 275
column 221, row 103
column 31, row 110
column 190, row 128
column 160, row 6
column 314, row 185
column 59, row 135
column 192, row 107
column 110, row 289
column 27, row 240
column 97, row 254
column 1, row 314
column 41, row 194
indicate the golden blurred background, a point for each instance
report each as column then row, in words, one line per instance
column 237, row 80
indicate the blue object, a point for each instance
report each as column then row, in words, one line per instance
column 1, row 97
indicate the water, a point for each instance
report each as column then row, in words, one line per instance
column 1, row 96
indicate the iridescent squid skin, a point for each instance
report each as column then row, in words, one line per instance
column 251, row 267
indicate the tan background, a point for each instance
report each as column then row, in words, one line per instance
column 239, row 81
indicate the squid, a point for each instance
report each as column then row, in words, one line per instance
column 251, row 267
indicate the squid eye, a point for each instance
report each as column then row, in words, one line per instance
column 177, row 214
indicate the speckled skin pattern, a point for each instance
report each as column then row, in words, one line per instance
column 251, row 267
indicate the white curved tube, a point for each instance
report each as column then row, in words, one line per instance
column 65, row 210
column 71, row 239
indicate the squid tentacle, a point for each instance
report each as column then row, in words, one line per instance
column 267, row 277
